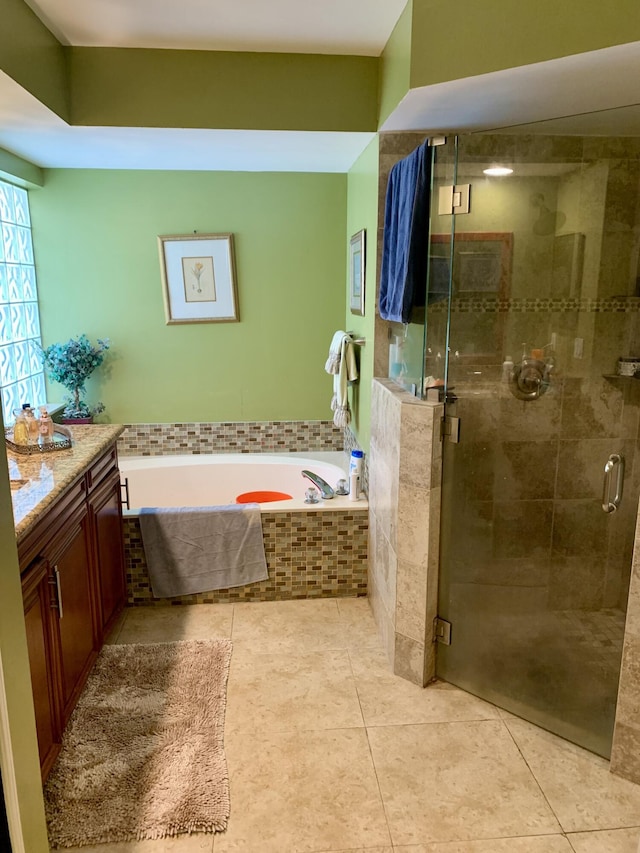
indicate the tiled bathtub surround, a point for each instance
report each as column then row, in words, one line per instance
column 404, row 502
column 309, row 555
column 231, row 437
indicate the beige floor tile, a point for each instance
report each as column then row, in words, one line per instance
column 288, row 626
column 180, row 844
column 528, row 844
column 607, row 841
column 389, row 700
column 359, row 625
column 362, row 850
column 288, row 691
column 507, row 715
column 456, row 782
column 578, row 785
column 297, row 792
column 169, row 624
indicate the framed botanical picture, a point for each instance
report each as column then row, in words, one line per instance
column 356, row 273
column 198, row 278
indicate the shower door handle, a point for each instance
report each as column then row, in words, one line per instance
column 614, row 463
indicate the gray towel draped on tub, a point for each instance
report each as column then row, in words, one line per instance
column 198, row 549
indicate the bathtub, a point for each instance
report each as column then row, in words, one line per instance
column 312, row 550
column 218, row 479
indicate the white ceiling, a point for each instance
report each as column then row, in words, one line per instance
column 570, row 95
column 602, row 80
column 32, row 131
column 360, row 27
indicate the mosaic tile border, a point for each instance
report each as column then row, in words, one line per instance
column 490, row 305
column 155, row 439
column 309, row 555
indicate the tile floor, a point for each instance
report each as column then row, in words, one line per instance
column 329, row 752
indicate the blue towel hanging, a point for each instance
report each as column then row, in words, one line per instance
column 405, row 246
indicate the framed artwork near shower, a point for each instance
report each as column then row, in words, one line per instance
column 482, row 262
column 198, row 278
column 357, row 272
column 480, row 279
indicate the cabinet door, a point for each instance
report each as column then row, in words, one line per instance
column 106, row 514
column 37, row 599
column 75, row 624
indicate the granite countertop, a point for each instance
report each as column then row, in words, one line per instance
column 47, row 475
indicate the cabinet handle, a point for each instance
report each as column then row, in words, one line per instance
column 59, row 590
column 125, row 486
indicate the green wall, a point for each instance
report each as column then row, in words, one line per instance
column 32, row 56
column 395, row 65
column 495, row 34
column 18, row 171
column 362, row 212
column 222, row 89
column 95, row 234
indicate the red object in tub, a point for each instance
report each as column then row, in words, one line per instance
column 262, row 497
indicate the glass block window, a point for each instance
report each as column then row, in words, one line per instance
column 21, row 373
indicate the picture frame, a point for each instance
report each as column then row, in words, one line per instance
column 198, row 278
column 477, row 274
column 482, row 262
column 357, row 272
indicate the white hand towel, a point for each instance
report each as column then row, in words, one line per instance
column 347, row 372
column 332, row 364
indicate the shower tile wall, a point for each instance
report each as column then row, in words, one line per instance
column 574, row 281
column 528, row 548
column 404, row 507
column 533, row 474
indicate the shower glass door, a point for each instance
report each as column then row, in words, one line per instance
column 544, row 301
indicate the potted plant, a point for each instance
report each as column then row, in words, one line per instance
column 71, row 364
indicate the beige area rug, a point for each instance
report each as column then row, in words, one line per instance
column 143, row 754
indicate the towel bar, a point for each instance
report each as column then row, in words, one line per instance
column 359, row 342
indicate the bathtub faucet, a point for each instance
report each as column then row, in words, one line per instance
column 325, row 489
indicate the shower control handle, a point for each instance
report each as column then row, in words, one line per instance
column 614, row 463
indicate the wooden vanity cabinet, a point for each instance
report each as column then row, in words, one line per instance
column 73, row 585
column 105, row 512
column 38, row 600
column 75, row 637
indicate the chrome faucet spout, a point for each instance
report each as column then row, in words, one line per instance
column 325, row 489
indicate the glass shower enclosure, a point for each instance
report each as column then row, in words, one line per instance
column 540, row 490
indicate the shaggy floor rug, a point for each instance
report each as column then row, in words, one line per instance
column 142, row 756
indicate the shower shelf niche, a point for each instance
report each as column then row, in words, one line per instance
column 616, row 377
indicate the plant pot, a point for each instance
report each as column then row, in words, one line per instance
column 88, row 420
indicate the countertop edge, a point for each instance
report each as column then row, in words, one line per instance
column 91, row 447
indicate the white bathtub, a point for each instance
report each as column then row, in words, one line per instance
column 217, row 479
